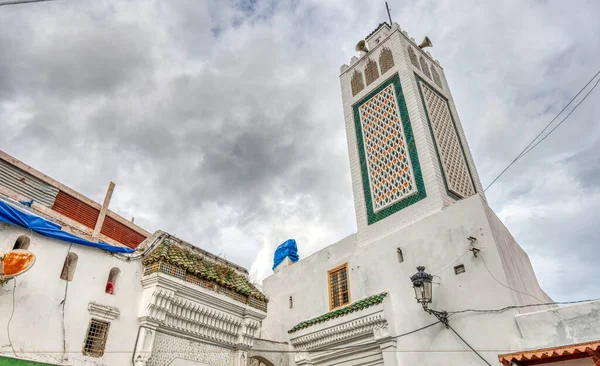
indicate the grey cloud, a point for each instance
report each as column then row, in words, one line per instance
column 221, row 122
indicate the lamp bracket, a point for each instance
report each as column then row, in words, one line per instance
column 442, row 316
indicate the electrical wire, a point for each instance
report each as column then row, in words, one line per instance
column 63, row 302
column 17, row 2
column 519, row 307
column 560, row 123
column 450, row 265
column 508, row 287
column 11, row 316
column 525, row 151
column 468, row 345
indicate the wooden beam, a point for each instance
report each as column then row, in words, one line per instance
column 103, row 210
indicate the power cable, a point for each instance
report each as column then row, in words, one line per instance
column 525, row 151
column 560, row 123
column 11, row 316
column 17, row 2
column 508, row 287
column 518, row 307
column 468, row 345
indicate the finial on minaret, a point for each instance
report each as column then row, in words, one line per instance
column 388, row 11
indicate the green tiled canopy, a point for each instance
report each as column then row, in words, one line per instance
column 359, row 305
column 195, row 263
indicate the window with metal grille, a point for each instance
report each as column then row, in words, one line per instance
column 339, row 293
column 95, row 339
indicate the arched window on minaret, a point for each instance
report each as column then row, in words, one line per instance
column 436, row 77
column 386, row 60
column 413, row 57
column 371, row 72
column 357, row 84
column 425, row 67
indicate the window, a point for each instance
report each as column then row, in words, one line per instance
column 291, row 302
column 400, row 255
column 371, row 72
column 459, row 269
column 111, row 284
column 22, row 242
column 339, row 293
column 95, row 339
column 68, row 270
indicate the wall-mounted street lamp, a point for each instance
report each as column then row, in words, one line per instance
column 422, row 282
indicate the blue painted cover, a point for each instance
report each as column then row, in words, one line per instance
column 14, row 216
column 287, row 249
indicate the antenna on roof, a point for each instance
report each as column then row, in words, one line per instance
column 388, row 11
column 14, row 263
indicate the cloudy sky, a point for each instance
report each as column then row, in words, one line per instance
column 221, row 121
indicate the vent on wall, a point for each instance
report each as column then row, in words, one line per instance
column 459, row 269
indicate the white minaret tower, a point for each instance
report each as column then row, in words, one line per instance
column 408, row 154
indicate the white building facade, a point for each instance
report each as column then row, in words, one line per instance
column 169, row 303
column 419, row 202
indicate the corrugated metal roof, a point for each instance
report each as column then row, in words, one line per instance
column 26, row 184
column 75, row 209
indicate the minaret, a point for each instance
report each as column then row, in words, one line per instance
column 408, row 154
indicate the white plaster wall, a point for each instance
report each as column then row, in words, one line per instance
column 436, row 242
column 36, row 330
column 565, row 325
column 517, row 266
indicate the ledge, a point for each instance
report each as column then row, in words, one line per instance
column 103, row 311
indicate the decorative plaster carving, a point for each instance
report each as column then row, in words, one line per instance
column 103, row 311
column 375, row 324
column 200, row 317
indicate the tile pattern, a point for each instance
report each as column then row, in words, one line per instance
column 413, row 58
column 425, row 67
column 371, row 72
column 388, row 161
column 452, row 157
column 188, row 265
column 356, row 83
column 359, row 305
column 436, row 77
column 386, row 60
column 386, row 147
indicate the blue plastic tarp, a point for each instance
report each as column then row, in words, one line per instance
column 287, row 249
column 14, row 216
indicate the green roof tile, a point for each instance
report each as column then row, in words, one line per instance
column 196, row 264
column 359, row 305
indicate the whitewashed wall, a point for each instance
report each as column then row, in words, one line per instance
column 36, row 328
column 436, row 242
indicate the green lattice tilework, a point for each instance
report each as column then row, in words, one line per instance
column 194, row 263
column 396, row 152
column 357, row 306
column 6, row 361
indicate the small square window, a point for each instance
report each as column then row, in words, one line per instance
column 459, row 269
column 95, row 339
